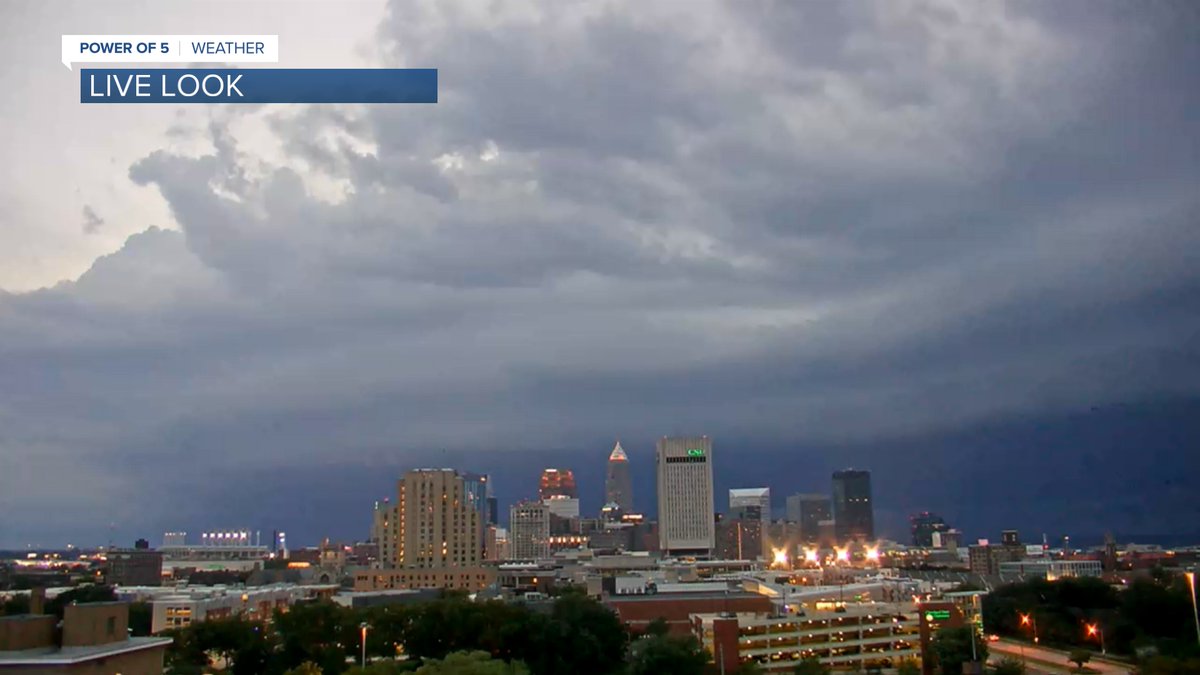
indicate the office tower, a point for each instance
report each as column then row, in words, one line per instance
column 495, row 546
column 1010, row 538
column 924, row 525
column 853, row 513
column 563, row 507
column 808, row 510
column 385, row 532
column 683, row 467
column 760, row 497
column 741, row 534
column 557, row 483
column 493, row 511
column 751, row 506
column 529, row 531
column 618, row 482
column 479, row 490
column 437, row 521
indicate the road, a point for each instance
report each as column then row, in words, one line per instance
column 1050, row 660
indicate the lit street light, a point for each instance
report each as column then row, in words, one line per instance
column 364, row 626
column 1094, row 630
column 1191, row 577
column 1029, row 620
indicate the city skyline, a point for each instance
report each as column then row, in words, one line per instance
column 953, row 244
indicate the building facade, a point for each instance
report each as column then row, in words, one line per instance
column 924, row 525
column 134, row 567
column 808, row 510
column 529, row 531
column 557, row 483
column 685, row 495
column 853, row 510
column 438, row 522
column 859, row 638
column 618, row 481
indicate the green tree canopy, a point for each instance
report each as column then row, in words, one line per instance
column 665, row 655
column 471, row 663
column 953, row 647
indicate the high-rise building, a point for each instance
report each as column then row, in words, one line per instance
column 853, row 512
column 808, row 510
column 760, row 497
column 479, row 490
column 437, row 520
column 529, row 531
column 618, row 482
column 685, row 495
column 385, row 532
column 741, row 534
column 924, row 525
column 557, row 483
column 751, row 506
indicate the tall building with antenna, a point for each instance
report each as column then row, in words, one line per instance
column 618, row 482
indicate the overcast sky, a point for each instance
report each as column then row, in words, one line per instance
column 952, row 242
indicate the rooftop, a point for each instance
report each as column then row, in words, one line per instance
column 55, row 656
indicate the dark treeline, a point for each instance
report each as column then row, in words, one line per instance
column 1150, row 615
column 574, row 634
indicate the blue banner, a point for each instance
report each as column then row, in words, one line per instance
column 258, row 85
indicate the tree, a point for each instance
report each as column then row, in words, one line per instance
column 306, row 668
column 750, row 668
column 658, row 627
column 811, row 666
column 1079, row 657
column 665, row 655
column 908, row 667
column 384, row 667
column 141, row 615
column 471, row 663
column 581, row 635
column 1009, row 666
column 954, row 646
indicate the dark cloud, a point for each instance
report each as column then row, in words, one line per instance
column 830, row 228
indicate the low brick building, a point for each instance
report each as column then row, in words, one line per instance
column 93, row 639
column 636, row 611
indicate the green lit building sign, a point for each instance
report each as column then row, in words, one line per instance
column 695, row 452
column 937, row 615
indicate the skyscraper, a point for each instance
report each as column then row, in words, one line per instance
column 924, row 524
column 529, row 531
column 437, row 521
column 749, row 516
column 853, row 513
column 683, row 467
column 618, row 482
column 557, row 483
column 809, row 510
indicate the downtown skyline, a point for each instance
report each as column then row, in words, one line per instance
column 955, row 245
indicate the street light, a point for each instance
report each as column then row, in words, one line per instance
column 1191, row 577
column 1029, row 620
column 1094, row 630
column 364, row 626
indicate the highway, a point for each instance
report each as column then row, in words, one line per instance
column 1044, row 659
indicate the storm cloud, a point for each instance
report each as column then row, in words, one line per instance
column 820, row 232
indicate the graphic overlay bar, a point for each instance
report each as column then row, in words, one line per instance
column 258, row 85
column 169, row 49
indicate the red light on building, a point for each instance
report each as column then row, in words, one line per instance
column 557, row 483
